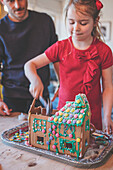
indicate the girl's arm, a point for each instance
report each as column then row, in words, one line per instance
column 107, row 98
column 36, row 86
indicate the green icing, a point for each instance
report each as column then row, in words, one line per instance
column 39, row 126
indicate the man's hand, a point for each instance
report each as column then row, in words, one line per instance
column 4, row 109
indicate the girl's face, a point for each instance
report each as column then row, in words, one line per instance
column 79, row 25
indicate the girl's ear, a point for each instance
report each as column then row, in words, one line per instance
column 96, row 21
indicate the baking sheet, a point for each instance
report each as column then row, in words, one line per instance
column 96, row 155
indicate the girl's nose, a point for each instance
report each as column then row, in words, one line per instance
column 76, row 26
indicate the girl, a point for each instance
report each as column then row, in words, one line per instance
column 83, row 58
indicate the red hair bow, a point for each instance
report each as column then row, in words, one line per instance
column 99, row 4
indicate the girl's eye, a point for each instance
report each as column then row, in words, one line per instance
column 83, row 23
column 71, row 23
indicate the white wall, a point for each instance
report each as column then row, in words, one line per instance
column 107, row 15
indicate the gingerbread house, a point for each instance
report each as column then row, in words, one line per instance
column 67, row 131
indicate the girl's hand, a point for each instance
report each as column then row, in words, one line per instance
column 108, row 124
column 36, row 88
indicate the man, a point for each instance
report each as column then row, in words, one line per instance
column 23, row 35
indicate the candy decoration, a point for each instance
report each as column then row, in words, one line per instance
column 63, row 109
column 53, row 126
column 64, row 120
column 77, row 111
column 69, row 121
column 60, row 119
column 70, row 135
column 78, row 101
column 80, row 116
column 51, row 118
column 57, row 113
column 55, row 119
column 72, row 110
column 54, row 147
column 78, row 139
column 57, row 135
column 47, row 142
column 74, row 121
column 69, row 104
column 50, row 130
column 43, row 131
column 78, row 121
column 53, row 132
column 75, row 116
column 51, row 137
column 70, row 116
column 82, row 111
column 66, row 115
column 60, row 113
column 67, row 110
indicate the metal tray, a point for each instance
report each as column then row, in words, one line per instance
column 96, row 155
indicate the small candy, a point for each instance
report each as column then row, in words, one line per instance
column 11, row 139
column 69, row 104
column 60, row 119
column 70, row 116
column 63, row 109
column 74, row 121
column 51, row 118
column 69, row 121
column 72, row 110
column 78, row 101
column 51, row 137
column 53, row 132
column 57, row 113
column 75, row 116
column 64, row 120
column 67, row 110
column 88, row 113
column 26, row 138
column 70, row 135
column 50, row 130
column 27, row 133
column 80, row 116
column 60, row 113
column 77, row 111
column 53, row 126
column 66, row 114
column 55, row 119
column 43, row 131
column 78, row 121
column 57, row 135
column 82, row 111
column 54, row 147
column 47, row 143
column 78, row 139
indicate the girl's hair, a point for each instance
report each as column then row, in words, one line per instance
column 86, row 7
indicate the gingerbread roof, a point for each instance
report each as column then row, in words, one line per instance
column 73, row 113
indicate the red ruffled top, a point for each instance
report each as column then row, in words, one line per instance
column 80, row 72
